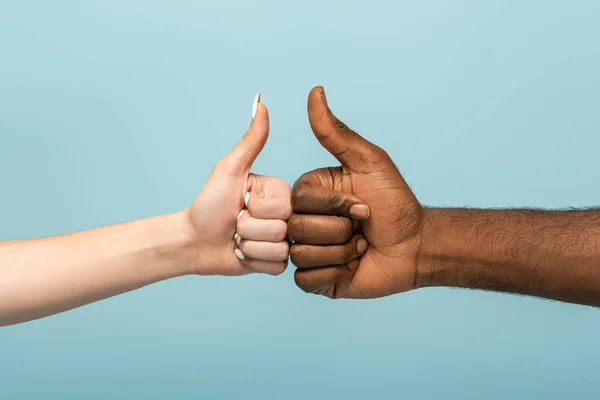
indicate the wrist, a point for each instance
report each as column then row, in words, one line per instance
column 452, row 247
column 176, row 242
column 427, row 267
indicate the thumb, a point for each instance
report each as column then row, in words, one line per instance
column 241, row 158
column 351, row 149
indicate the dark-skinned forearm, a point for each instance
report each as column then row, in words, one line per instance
column 551, row 254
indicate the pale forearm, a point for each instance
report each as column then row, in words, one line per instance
column 551, row 254
column 41, row 277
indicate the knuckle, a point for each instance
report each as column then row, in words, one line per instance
column 381, row 152
column 305, row 177
column 287, row 211
column 280, row 231
column 220, row 164
column 283, row 250
column 226, row 165
column 377, row 153
column 340, row 126
column 302, row 280
column 295, row 226
column 287, row 187
column 298, row 254
column 300, row 191
column 371, row 154
column 337, row 203
column 279, row 270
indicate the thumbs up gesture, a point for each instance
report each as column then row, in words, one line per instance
column 357, row 228
column 238, row 222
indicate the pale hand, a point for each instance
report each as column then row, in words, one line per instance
column 239, row 220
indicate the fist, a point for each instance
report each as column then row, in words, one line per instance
column 357, row 228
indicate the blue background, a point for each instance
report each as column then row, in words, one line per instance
column 117, row 110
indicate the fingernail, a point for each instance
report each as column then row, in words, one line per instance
column 240, row 215
column 323, row 96
column 360, row 211
column 237, row 238
column 255, row 105
column 246, row 198
column 239, row 254
column 352, row 265
column 361, row 245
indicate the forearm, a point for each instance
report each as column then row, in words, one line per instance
column 41, row 277
column 551, row 254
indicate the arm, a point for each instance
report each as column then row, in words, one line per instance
column 40, row 277
column 551, row 254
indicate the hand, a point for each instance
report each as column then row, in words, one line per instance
column 336, row 208
column 219, row 212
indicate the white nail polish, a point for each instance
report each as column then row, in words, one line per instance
column 255, row 105
column 237, row 238
column 239, row 254
column 240, row 215
column 246, row 198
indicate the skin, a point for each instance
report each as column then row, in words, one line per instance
column 41, row 277
column 549, row 254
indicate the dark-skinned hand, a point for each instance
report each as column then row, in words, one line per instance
column 337, row 208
